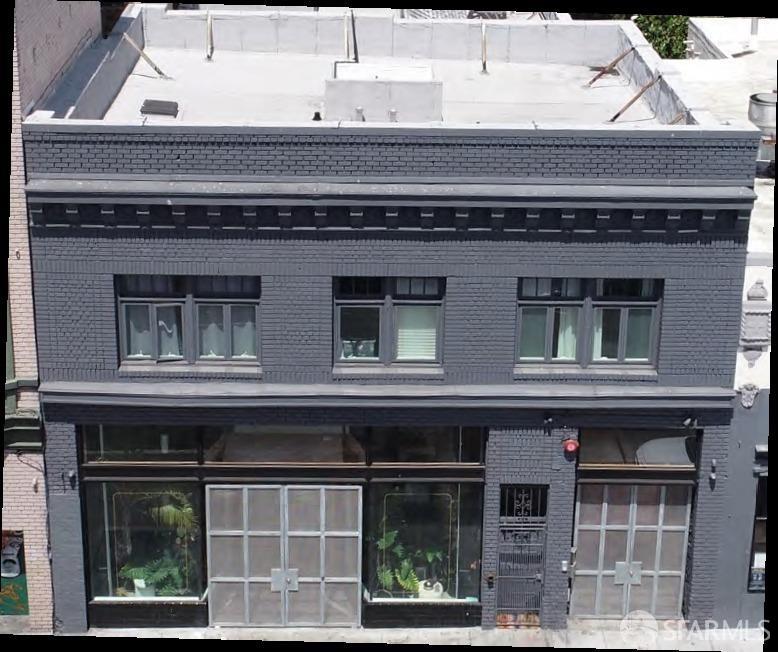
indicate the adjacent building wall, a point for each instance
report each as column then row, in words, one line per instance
column 47, row 37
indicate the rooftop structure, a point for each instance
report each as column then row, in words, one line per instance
column 235, row 67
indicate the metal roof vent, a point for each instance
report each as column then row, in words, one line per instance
column 159, row 107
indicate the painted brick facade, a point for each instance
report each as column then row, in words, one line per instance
column 76, row 318
column 531, row 457
column 350, row 153
column 76, row 311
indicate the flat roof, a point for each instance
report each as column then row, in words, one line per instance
column 277, row 67
column 244, row 87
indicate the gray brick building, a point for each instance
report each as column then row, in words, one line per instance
column 335, row 330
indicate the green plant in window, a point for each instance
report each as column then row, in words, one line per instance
column 164, row 574
column 406, row 576
column 386, row 541
column 385, row 577
column 161, row 558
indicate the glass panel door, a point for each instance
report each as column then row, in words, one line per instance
column 284, row 555
column 631, row 543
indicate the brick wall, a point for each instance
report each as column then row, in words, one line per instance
column 341, row 153
column 24, row 508
column 19, row 271
column 67, row 547
column 529, row 456
column 708, row 519
column 49, row 37
column 45, row 35
column 76, row 313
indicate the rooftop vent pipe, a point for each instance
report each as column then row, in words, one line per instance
column 208, row 36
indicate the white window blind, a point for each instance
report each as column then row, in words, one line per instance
column 417, row 332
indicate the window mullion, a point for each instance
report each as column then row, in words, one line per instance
column 549, row 333
column 154, row 332
column 587, row 329
column 388, row 345
column 624, row 316
column 190, row 327
column 123, row 352
column 227, row 320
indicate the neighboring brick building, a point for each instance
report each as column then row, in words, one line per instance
column 47, row 35
column 322, row 349
column 734, row 61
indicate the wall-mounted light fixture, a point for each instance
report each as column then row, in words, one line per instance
column 548, row 422
column 690, row 422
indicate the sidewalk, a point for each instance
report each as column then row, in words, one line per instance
column 590, row 634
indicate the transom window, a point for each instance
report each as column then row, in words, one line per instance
column 387, row 320
column 179, row 318
column 588, row 321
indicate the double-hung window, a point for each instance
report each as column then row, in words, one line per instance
column 152, row 309
column 388, row 320
column 197, row 318
column 588, row 322
column 625, row 316
column 227, row 313
column 549, row 316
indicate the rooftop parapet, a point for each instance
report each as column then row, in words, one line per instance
column 230, row 67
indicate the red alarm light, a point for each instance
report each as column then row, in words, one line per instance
column 570, row 446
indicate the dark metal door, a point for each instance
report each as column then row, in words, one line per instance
column 521, row 550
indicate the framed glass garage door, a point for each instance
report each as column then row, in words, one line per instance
column 284, row 555
column 630, row 543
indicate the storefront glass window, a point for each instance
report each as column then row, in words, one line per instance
column 254, row 443
column 140, row 443
column 424, row 542
column 401, row 444
column 144, row 540
column 638, row 448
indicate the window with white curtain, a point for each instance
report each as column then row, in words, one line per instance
column 388, row 320
column 188, row 319
column 588, row 321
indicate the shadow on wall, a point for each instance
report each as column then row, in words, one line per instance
column 109, row 14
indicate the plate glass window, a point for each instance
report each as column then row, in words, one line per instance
column 424, row 542
column 144, row 540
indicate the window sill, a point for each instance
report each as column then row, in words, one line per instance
column 356, row 370
column 521, row 371
column 157, row 599
column 183, row 368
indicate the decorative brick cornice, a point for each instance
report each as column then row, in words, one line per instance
column 519, row 219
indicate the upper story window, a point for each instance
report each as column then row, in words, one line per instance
column 386, row 320
column 179, row 318
column 588, row 321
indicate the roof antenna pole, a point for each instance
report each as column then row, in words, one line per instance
column 208, row 36
column 484, row 71
column 354, row 36
column 636, row 97
column 610, row 66
column 345, row 37
column 144, row 56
